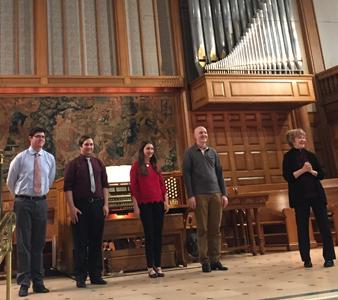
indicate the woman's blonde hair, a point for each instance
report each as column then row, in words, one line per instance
column 292, row 134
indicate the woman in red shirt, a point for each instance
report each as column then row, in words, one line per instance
column 150, row 202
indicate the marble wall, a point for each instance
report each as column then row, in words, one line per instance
column 117, row 123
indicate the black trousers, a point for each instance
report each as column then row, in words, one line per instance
column 302, row 219
column 31, row 222
column 87, row 238
column 151, row 215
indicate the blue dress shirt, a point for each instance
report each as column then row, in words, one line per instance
column 21, row 172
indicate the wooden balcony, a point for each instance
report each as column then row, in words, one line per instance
column 212, row 91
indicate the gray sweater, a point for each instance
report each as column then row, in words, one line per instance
column 202, row 173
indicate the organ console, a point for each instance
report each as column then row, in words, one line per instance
column 125, row 229
column 120, row 201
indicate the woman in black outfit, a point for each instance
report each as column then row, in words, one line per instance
column 303, row 173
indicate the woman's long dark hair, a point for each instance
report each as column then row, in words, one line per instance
column 141, row 162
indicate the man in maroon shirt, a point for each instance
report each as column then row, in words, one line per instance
column 86, row 192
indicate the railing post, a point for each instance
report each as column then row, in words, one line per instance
column 1, row 163
column 8, row 274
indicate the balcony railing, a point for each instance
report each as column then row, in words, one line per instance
column 7, row 226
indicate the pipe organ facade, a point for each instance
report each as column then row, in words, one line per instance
column 252, row 36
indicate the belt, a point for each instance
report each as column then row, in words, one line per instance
column 36, row 198
column 88, row 199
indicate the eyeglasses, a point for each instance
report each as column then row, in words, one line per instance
column 38, row 136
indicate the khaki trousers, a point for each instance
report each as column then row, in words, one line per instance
column 208, row 215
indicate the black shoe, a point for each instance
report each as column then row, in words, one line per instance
column 328, row 263
column 218, row 266
column 40, row 289
column 23, row 291
column 98, row 281
column 307, row 264
column 81, row 284
column 206, row 268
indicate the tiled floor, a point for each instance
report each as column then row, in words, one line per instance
column 270, row 276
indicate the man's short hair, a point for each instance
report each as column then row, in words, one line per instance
column 83, row 138
column 292, row 134
column 35, row 130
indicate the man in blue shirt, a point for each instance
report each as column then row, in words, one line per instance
column 31, row 174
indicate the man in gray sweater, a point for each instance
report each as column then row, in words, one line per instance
column 205, row 187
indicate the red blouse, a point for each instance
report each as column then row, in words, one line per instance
column 146, row 188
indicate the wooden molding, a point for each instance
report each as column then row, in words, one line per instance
column 22, row 84
column 311, row 37
column 40, row 37
column 177, row 36
column 210, row 89
column 121, row 36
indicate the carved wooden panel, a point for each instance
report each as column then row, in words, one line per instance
column 250, row 144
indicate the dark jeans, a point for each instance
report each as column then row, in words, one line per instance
column 302, row 218
column 151, row 215
column 87, row 238
column 31, row 221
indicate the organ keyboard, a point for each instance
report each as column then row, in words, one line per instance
column 120, row 201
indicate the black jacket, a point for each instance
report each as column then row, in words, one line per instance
column 295, row 190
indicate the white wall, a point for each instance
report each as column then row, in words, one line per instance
column 327, row 20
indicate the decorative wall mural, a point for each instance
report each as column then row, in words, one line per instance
column 117, row 123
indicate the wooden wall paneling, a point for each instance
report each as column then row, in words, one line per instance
column 300, row 119
column 211, row 90
column 16, row 53
column 250, row 144
column 65, row 44
column 99, row 58
column 185, row 97
column 177, row 36
column 82, row 32
column 313, row 49
column 316, row 64
column 325, row 120
column 41, row 39
column 184, row 122
column 144, row 71
column 184, row 135
column 122, row 58
column 157, row 38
